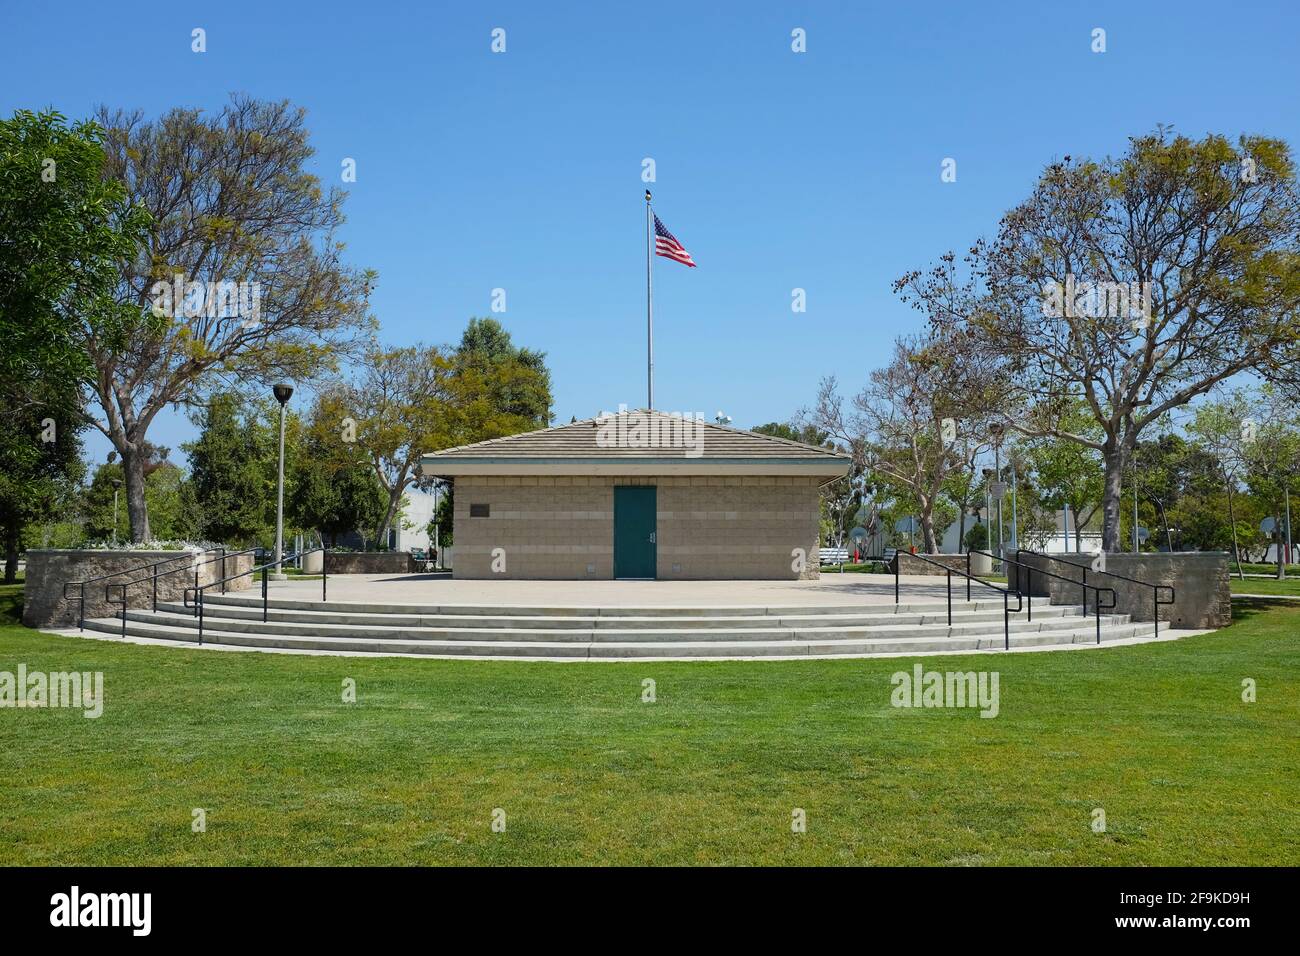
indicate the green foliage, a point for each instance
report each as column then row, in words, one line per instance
column 170, row 496
column 233, row 466
column 232, row 199
column 63, row 228
column 513, row 381
column 977, row 538
column 332, row 497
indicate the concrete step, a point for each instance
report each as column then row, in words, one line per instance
column 639, row 649
column 934, row 605
column 667, row 629
column 885, row 615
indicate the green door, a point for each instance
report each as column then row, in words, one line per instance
column 634, row 531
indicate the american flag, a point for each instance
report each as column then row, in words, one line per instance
column 666, row 245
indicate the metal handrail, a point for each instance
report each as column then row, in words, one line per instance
column 108, row 598
column 197, row 591
column 1156, row 603
column 81, row 611
column 1006, row 593
column 1098, row 607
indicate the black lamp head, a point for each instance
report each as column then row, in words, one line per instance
column 283, row 392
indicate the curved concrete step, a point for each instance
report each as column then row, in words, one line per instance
column 847, row 618
column 639, row 649
column 931, row 606
column 666, row 631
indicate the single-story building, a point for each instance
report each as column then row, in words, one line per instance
column 637, row 495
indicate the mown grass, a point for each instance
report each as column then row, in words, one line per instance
column 1157, row 736
column 1289, row 586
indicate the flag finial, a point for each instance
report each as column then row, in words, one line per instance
column 647, row 195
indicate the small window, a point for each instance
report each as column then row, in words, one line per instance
column 478, row 511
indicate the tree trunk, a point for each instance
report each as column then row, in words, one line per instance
column 1113, row 454
column 133, row 473
column 394, row 502
column 11, row 555
column 1279, row 548
column 928, row 541
column 1232, row 519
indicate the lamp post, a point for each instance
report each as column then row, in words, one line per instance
column 283, row 393
column 117, row 483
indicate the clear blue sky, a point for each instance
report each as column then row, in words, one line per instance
column 776, row 170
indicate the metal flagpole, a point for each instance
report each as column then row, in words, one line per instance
column 649, row 308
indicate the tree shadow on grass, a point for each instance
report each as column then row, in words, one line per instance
column 1243, row 609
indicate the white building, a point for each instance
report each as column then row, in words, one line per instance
column 411, row 529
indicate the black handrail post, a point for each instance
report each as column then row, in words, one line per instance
column 968, row 575
column 1097, row 602
column 1006, row 623
column 324, row 573
column 1083, row 591
column 950, row 598
column 223, row 569
column 264, row 570
column 199, row 605
column 898, row 563
column 155, row 589
column 1029, row 585
column 1155, row 609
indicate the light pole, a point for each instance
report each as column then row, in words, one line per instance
column 283, row 393
column 1000, row 489
column 117, row 483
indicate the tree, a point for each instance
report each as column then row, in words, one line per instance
column 234, row 212
column 416, row 399
column 36, row 477
column 443, row 518
column 512, row 383
column 332, row 488
column 1069, row 473
column 233, row 470
column 1135, row 284
column 1258, row 433
column 907, row 426
column 168, row 493
column 402, row 406
column 63, row 227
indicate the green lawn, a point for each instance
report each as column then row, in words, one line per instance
column 1157, row 736
column 1290, row 586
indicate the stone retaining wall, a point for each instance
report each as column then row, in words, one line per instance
column 1202, row 595
column 914, row 565
column 369, row 562
column 48, row 570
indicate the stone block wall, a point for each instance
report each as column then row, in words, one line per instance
column 1202, row 595
column 708, row 526
column 47, row 570
column 369, row 562
column 914, row 565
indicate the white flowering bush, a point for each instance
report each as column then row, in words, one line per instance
column 165, row 545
